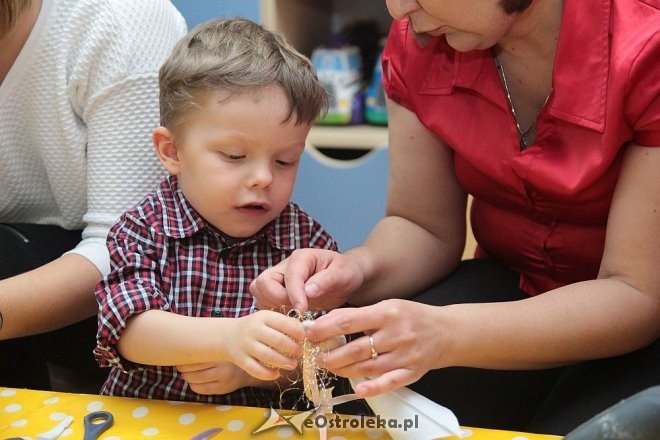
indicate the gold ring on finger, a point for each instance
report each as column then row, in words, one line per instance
column 374, row 353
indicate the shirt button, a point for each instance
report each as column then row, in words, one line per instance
column 216, row 313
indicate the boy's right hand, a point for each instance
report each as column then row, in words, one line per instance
column 216, row 378
column 264, row 342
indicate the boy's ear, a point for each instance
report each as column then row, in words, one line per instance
column 164, row 145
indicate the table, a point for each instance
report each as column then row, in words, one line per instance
column 26, row 413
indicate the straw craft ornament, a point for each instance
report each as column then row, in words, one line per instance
column 433, row 420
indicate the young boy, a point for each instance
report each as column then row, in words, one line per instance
column 237, row 103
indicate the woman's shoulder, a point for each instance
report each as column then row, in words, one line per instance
column 106, row 41
column 133, row 10
column 634, row 23
column 120, row 19
column 644, row 5
column 144, row 14
column 635, row 38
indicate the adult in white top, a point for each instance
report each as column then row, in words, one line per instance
column 78, row 103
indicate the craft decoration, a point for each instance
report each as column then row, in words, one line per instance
column 432, row 420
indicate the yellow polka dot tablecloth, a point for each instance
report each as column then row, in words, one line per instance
column 27, row 413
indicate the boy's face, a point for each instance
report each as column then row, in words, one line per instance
column 237, row 161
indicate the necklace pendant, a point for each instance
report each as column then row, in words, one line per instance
column 523, row 144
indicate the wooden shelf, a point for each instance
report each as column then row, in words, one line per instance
column 358, row 137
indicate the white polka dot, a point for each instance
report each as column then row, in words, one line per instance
column 374, row 433
column 95, row 406
column 150, row 432
column 285, row 432
column 19, row 423
column 520, row 438
column 187, row 419
column 140, row 412
column 223, row 408
column 235, row 425
column 51, row 401
column 14, row 407
column 67, row 431
column 57, row 416
column 8, row 393
column 465, row 433
column 112, row 437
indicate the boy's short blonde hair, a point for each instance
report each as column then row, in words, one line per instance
column 228, row 56
column 10, row 10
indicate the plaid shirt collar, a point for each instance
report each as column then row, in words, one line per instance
column 181, row 220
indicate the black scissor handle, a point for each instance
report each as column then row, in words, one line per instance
column 94, row 430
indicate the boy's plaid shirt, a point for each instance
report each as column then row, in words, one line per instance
column 165, row 256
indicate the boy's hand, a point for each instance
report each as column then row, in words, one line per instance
column 216, row 378
column 264, row 342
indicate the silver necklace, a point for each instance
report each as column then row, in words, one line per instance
column 523, row 134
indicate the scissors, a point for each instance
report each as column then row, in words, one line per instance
column 97, row 423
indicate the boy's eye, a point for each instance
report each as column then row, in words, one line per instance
column 286, row 163
column 232, row 156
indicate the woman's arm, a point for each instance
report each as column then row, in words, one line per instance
column 614, row 314
column 422, row 237
column 52, row 296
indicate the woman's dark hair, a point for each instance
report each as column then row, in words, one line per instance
column 511, row 6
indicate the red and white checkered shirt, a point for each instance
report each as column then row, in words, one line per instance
column 165, row 256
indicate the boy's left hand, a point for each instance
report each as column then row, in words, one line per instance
column 216, row 378
column 264, row 342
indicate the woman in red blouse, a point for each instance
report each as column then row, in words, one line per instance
column 547, row 112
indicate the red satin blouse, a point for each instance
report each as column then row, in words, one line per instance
column 544, row 210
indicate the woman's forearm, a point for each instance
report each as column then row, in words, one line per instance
column 586, row 320
column 400, row 258
column 422, row 238
column 52, row 296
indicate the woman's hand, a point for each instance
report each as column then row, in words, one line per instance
column 318, row 278
column 216, row 378
column 407, row 343
column 264, row 342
